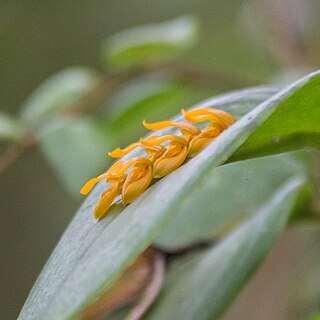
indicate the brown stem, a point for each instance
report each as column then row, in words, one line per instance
column 16, row 152
column 153, row 288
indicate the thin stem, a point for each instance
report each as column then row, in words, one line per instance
column 153, row 288
column 15, row 152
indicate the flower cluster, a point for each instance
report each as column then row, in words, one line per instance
column 164, row 154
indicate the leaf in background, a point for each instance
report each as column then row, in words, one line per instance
column 10, row 128
column 91, row 256
column 56, row 93
column 142, row 99
column 207, row 284
column 295, row 124
column 77, row 151
column 236, row 190
column 150, row 43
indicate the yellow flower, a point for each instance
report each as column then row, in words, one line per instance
column 187, row 129
column 130, row 185
column 107, row 199
column 220, row 120
column 153, row 152
column 173, row 157
column 202, row 140
column 132, row 177
column 137, row 181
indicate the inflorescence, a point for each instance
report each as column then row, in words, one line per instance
column 164, row 154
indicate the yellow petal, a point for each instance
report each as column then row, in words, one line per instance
column 119, row 153
column 199, row 142
column 187, row 128
column 157, row 140
column 137, row 182
column 106, row 201
column 91, row 183
column 172, row 159
column 206, row 114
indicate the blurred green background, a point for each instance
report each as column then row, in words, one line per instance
column 241, row 42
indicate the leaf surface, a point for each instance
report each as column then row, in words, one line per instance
column 206, row 285
column 150, row 43
column 92, row 255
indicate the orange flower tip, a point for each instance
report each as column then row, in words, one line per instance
column 150, row 126
column 183, row 111
column 88, row 186
column 147, row 125
column 117, row 153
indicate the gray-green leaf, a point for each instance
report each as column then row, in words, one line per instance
column 232, row 193
column 56, row 93
column 10, row 128
column 77, row 151
column 91, row 256
column 295, row 124
column 150, row 43
column 207, row 284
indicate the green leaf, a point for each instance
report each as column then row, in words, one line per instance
column 56, row 93
column 150, row 43
column 236, row 190
column 76, row 150
column 295, row 124
column 91, row 256
column 10, row 128
column 219, row 273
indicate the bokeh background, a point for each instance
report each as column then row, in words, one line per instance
column 241, row 43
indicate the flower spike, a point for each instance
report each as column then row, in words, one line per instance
column 164, row 154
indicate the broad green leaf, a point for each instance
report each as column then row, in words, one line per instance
column 204, row 286
column 77, row 151
column 150, row 43
column 91, row 256
column 10, row 128
column 56, row 93
column 295, row 124
column 235, row 191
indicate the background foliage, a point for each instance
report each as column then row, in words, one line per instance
column 228, row 45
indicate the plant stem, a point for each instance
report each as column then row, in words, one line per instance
column 153, row 288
